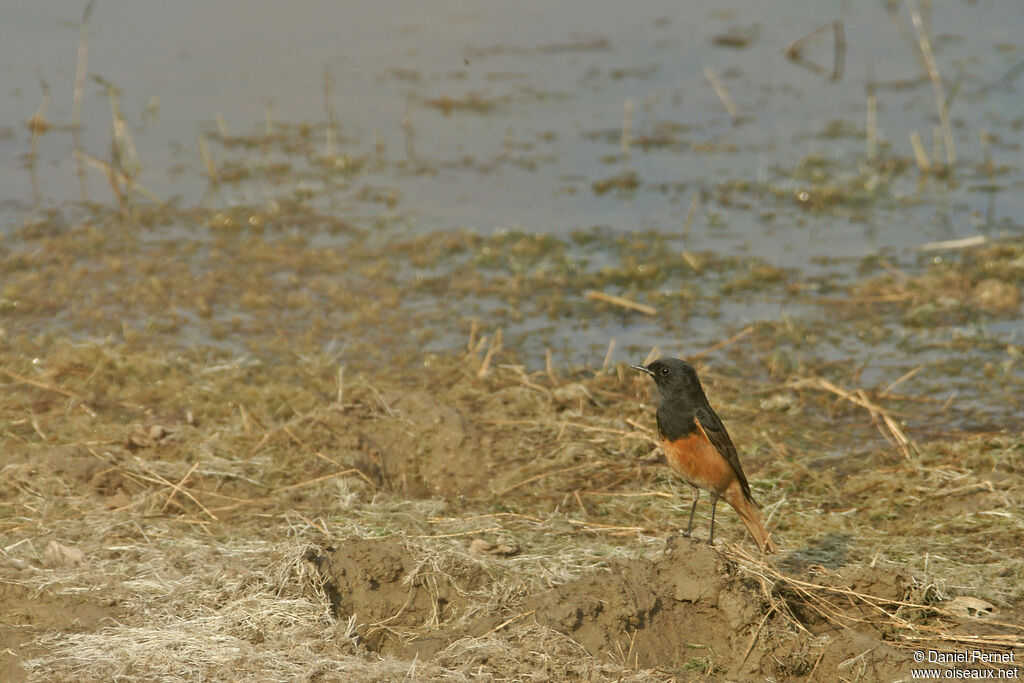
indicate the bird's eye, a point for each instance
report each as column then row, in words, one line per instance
column 664, row 371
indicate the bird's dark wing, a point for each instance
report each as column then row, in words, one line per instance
column 712, row 427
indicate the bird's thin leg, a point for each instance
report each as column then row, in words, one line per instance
column 693, row 508
column 714, row 502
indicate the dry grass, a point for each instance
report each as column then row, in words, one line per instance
column 196, row 488
column 194, row 608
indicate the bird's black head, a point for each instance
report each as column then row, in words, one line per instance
column 674, row 377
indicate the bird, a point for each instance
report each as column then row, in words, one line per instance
column 698, row 448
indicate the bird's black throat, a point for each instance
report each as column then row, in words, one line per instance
column 675, row 418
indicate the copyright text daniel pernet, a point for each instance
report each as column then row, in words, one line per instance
column 990, row 665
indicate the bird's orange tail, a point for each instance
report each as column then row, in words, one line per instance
column 752, row 519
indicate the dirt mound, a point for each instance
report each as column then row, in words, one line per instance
column 395, row 598
column 675, row 608
column 685, row 607
column 688, row 607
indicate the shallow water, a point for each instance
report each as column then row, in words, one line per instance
column 556, row 80
column 508, row 117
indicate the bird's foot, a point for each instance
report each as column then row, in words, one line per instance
column 674, row 541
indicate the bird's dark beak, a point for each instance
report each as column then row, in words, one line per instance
column 641, row 368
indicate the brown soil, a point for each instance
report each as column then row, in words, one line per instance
column 507, row 525
column 684, row 608
column 27, row 615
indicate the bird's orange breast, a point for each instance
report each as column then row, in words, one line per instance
column 697, row 461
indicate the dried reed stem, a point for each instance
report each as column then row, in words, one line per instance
column 621, row 302
column 211, row 167
column 794, row 51
column 117, row 178
column 839, row 57
column 36, row 383
column 694, row 203
column 495, row 347
column 127, row 156
column 543, row 475
column 608, row 356
column 177, row 487
column 722, row 92
column 895, row 434
column 38, row 124
column 920, row 156
column 961, row 243
column 332, row 124
column 872, row 124
column 933, row 74
column 814, row 596
column 80, row 67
